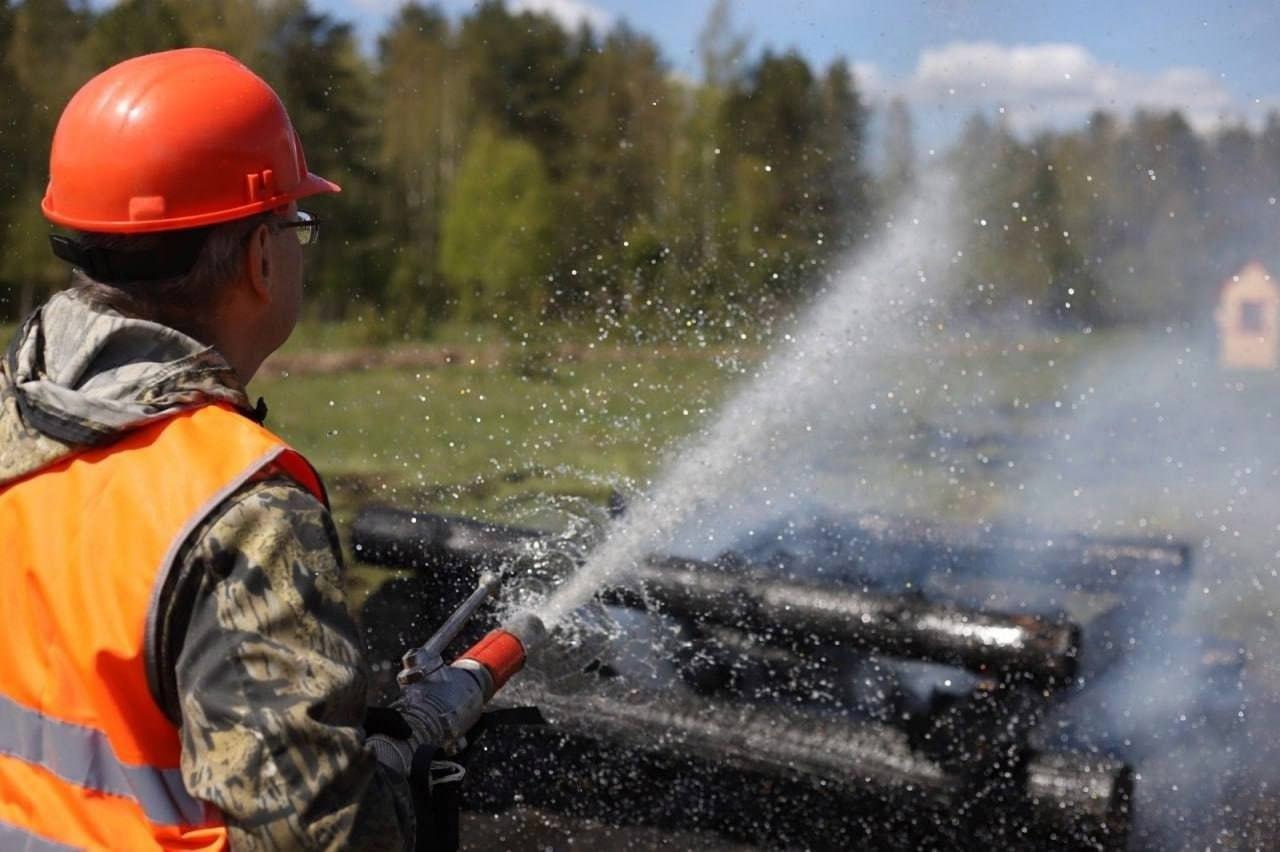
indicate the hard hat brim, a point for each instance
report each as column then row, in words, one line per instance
column 312, row 184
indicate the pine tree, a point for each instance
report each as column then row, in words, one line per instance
column 497, row 228
column 423, row 88
column 132, row 28
column 45, row 59
column 843, row 185
column 622, row 118
column 523, row 70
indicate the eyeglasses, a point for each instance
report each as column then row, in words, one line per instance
column 306, row 227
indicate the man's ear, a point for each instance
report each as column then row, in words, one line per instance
column 258, row 261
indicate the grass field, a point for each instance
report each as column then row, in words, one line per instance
column 471, row 434
column 465, row 437
column 482, row 441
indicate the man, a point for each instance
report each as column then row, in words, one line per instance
column 177, row 668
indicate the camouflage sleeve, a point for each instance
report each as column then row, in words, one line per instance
column 271, row 683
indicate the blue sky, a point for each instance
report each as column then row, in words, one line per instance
column 1045, row 63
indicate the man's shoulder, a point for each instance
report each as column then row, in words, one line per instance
column 273, row 488
column 270, row 515
column 272, row 535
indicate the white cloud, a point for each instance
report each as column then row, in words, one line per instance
column 378, row 7
column 1056, row 85
column 871, row 83
column 570, row 13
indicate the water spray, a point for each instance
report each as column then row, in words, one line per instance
column 829, row 360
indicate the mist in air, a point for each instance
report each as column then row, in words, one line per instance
column 822, row 371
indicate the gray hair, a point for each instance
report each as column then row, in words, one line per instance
column 186, row 302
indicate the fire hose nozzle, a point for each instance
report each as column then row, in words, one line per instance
column 503, row 651
column 528, row 628
column 441, row 703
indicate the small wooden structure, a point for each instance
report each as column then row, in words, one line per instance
column 1247, row 320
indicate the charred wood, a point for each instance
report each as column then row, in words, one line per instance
column 787, row 611
column 777, row 610
column 911, row 546
column 382, row 535
column 1078, row 799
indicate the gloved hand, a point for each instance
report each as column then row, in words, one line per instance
column 437, row 710
column 432, row 783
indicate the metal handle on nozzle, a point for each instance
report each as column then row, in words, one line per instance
column 490, row 582
column 429, row 656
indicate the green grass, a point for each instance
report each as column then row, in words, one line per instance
column 465, row 438
column 473, row 440
column 327, row 335
column 483, row 442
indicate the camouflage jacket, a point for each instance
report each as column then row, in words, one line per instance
column 259, row 662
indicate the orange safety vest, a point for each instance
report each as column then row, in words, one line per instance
column 87, row 757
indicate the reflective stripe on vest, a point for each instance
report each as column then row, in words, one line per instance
column 17, row 839
column 87, row 757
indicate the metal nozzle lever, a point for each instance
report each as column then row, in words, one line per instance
column 429, row 656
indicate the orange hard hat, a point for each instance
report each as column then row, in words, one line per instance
column 174, row 140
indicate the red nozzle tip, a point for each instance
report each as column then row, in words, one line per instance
column 501, row 653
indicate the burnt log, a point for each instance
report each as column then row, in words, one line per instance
column 867, row 545
column 776, row 609
column 382, row 535
column 789, row 611
column 915, row 547
column 1078, row 800
column 451, row 551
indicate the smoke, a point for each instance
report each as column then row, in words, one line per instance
column 880, row 398
column 824, row 370
column 1128, row 434
column 1151, row 438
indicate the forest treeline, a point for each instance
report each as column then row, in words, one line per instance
column 500, row 168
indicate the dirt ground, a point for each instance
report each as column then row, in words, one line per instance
column 436, row 356
column 528, row 828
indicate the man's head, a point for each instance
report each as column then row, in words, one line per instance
column 241, row 292
column 180, row 173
